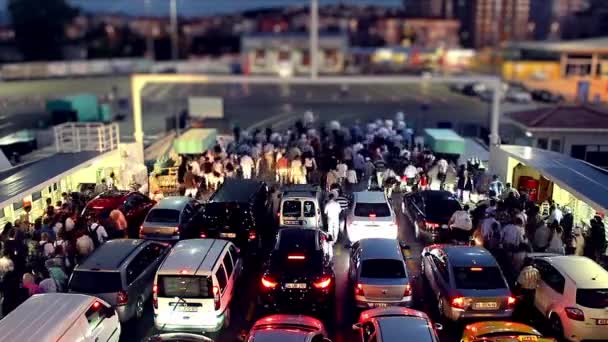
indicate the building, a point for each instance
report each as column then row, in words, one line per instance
column 587, row 23
column 548, row 17
column 579, row 131
column 430, row 8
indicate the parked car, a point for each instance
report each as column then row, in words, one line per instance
column 474, row 89
column 396, row 324
column 467, row 282
column 378, row 274
column 518, row 95
column 61, row 317
column 301, row 206
column 299, row 272
column 134, row 205
column 120, row 272
column 543, row 95
column 168, row 219
column 495, row 331
column 238, row 211
column 202, row 274
column 573, row 296
column 287, row 328
column 430, row 211
column 370, row 215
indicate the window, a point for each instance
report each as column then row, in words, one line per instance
column 441, row 267
column 233, row 253
column 36, row 195
column 96, row 314
column 556, row 145
column 221, row 278
column 17, row 206
column 372, row 209
column 309, row 209
column 542, row 143
column 292, row 208
column 143, row 260
column 163, row 216
column 95, row 282
column 551, row 276
column 382, row 268
column 478, row 278
column 592, row 298
column 185, row 286
column 134, row 201
column 228, row 265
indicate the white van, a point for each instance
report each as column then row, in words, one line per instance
column 61, row 317
column 301, row 206
column 194, row 285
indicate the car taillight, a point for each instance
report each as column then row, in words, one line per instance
column 122, row 298
column 252, row 235
column 155, row 296
column 359, row 290
column 511, row 301
column 141, row 230
column 268, row 283
column 458, row 302
column 203, row 235
column 322, row 283
column 575, row 314
column 408, row 290
column 216, row 297
column 296, row 257
column 176, row 231
column 431, row 224
column 372, row 215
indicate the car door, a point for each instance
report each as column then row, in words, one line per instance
column 355, row 259
column 229, row 268
column 551, row 287
column 416, row 208
column 236, row 260
column 102, row 322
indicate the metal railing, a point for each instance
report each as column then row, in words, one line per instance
column 86, row 136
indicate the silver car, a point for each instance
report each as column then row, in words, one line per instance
column 467, row 282
column 121, row 272
column 287, row 328
column 169, row 219
column 379, row 274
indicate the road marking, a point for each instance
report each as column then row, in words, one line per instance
column 250, row 312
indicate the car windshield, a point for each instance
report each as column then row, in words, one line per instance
column 163, row 216
column 382, row 268
column 372, row 210
column 95, row 282
column 184, row 286
column 292, row 208
column 478, row 278
column 592, row 298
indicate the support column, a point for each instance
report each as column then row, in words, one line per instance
column 594, row 65
column 495, row 113
column 563, row 64
column 138, row 129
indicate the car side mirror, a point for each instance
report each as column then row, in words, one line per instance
column 357, row 326
column 438, row 326
column 426, row 254
column 325, row 339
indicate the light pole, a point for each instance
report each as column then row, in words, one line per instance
column 174, row 34
column 149, row 35
column 314, row 38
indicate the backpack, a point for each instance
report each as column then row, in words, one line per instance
column 93, row 234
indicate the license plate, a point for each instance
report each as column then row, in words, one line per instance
column 528, row 338
column 298, row 286
column 228, row 235
column 292, row 222
column 187, row 309
column 379, row 305
column 601, row 322
column 485, row 306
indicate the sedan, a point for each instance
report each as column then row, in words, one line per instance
column 467, row 282
column 430, row 211
column 396, row 324
column 287, row 328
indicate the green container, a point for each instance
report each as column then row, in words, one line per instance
column 105, row 112
column 444, row 141
column 86, row 106
column 195, row 141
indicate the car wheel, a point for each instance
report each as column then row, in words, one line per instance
column 139, row 308
column 557, row 327
column 227, row 318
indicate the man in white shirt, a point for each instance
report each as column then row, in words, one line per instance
column 332, row 211
column 442, row 170
column 246, row 166
column 460, row 223
column 513, row 235
column 410, row 171
column 341, row 169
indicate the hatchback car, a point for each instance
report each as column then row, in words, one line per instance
column 396, row 324
column 430, row 211
column 121, row 272
column 168, row 219
column 370, row 216
column 498, row 331
column 467, row 282
column 287, row 328
column 132, row 204
column 573, row 296
column 299, row 273
column 379, row 275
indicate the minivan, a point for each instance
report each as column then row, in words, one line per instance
column 195, row 284
column 301, row 206
column 61, row 317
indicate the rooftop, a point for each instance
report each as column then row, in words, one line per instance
column 598, row 45
column 580, row 178
column 584, row 118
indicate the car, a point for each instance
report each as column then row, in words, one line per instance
column 299, row 272
column 120, row 272
column 467, row 283
column 430, row 212
column 396, row 324
column 488, row 95
column 168, row 219
column 287, row 328
column 301, row 206
column 573, row 296
column 378, row 274
column 238, row 211
column 496, row 331
column 543, row 95
column 62, row 317
column 178, row 337
column 518, row 95
column 134, row 205
column 369, row 216
column 474, row 89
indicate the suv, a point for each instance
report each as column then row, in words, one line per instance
column 371, row 216
column 168, row 219
column 133, row 204
column 120, row 272
column 239, row 211
column 379, row 274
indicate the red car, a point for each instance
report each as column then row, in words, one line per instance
column 134, row 206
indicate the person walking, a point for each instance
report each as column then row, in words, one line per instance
column 442, row 172
column 496, row 186
column 332, row 211
column 597, row 237
column 246, row 166
column 120, row 222
column 527, row 282
column 460, row 224
column 190, row 183
column 465, row 186
column 84, row 245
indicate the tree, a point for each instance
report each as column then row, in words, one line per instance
column 40, row 26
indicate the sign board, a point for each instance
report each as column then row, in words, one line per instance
column 206, row 107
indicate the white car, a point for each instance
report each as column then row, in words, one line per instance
column 371, row 216
column 518, row 96
column 573, row 296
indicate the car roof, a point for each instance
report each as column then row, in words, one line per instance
column 377, row 248
column 44, row 317
column 299, row 194
column 392, row 311
column 294, row 320
column 404, row 328
column 584, row 272
column 280, row 335
column 369, row 197
column 236, row 190
column 482, row 328
column 438, row 194
column 111, row 254
column 463, row 256
column 173, row 202
column 193, row 256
